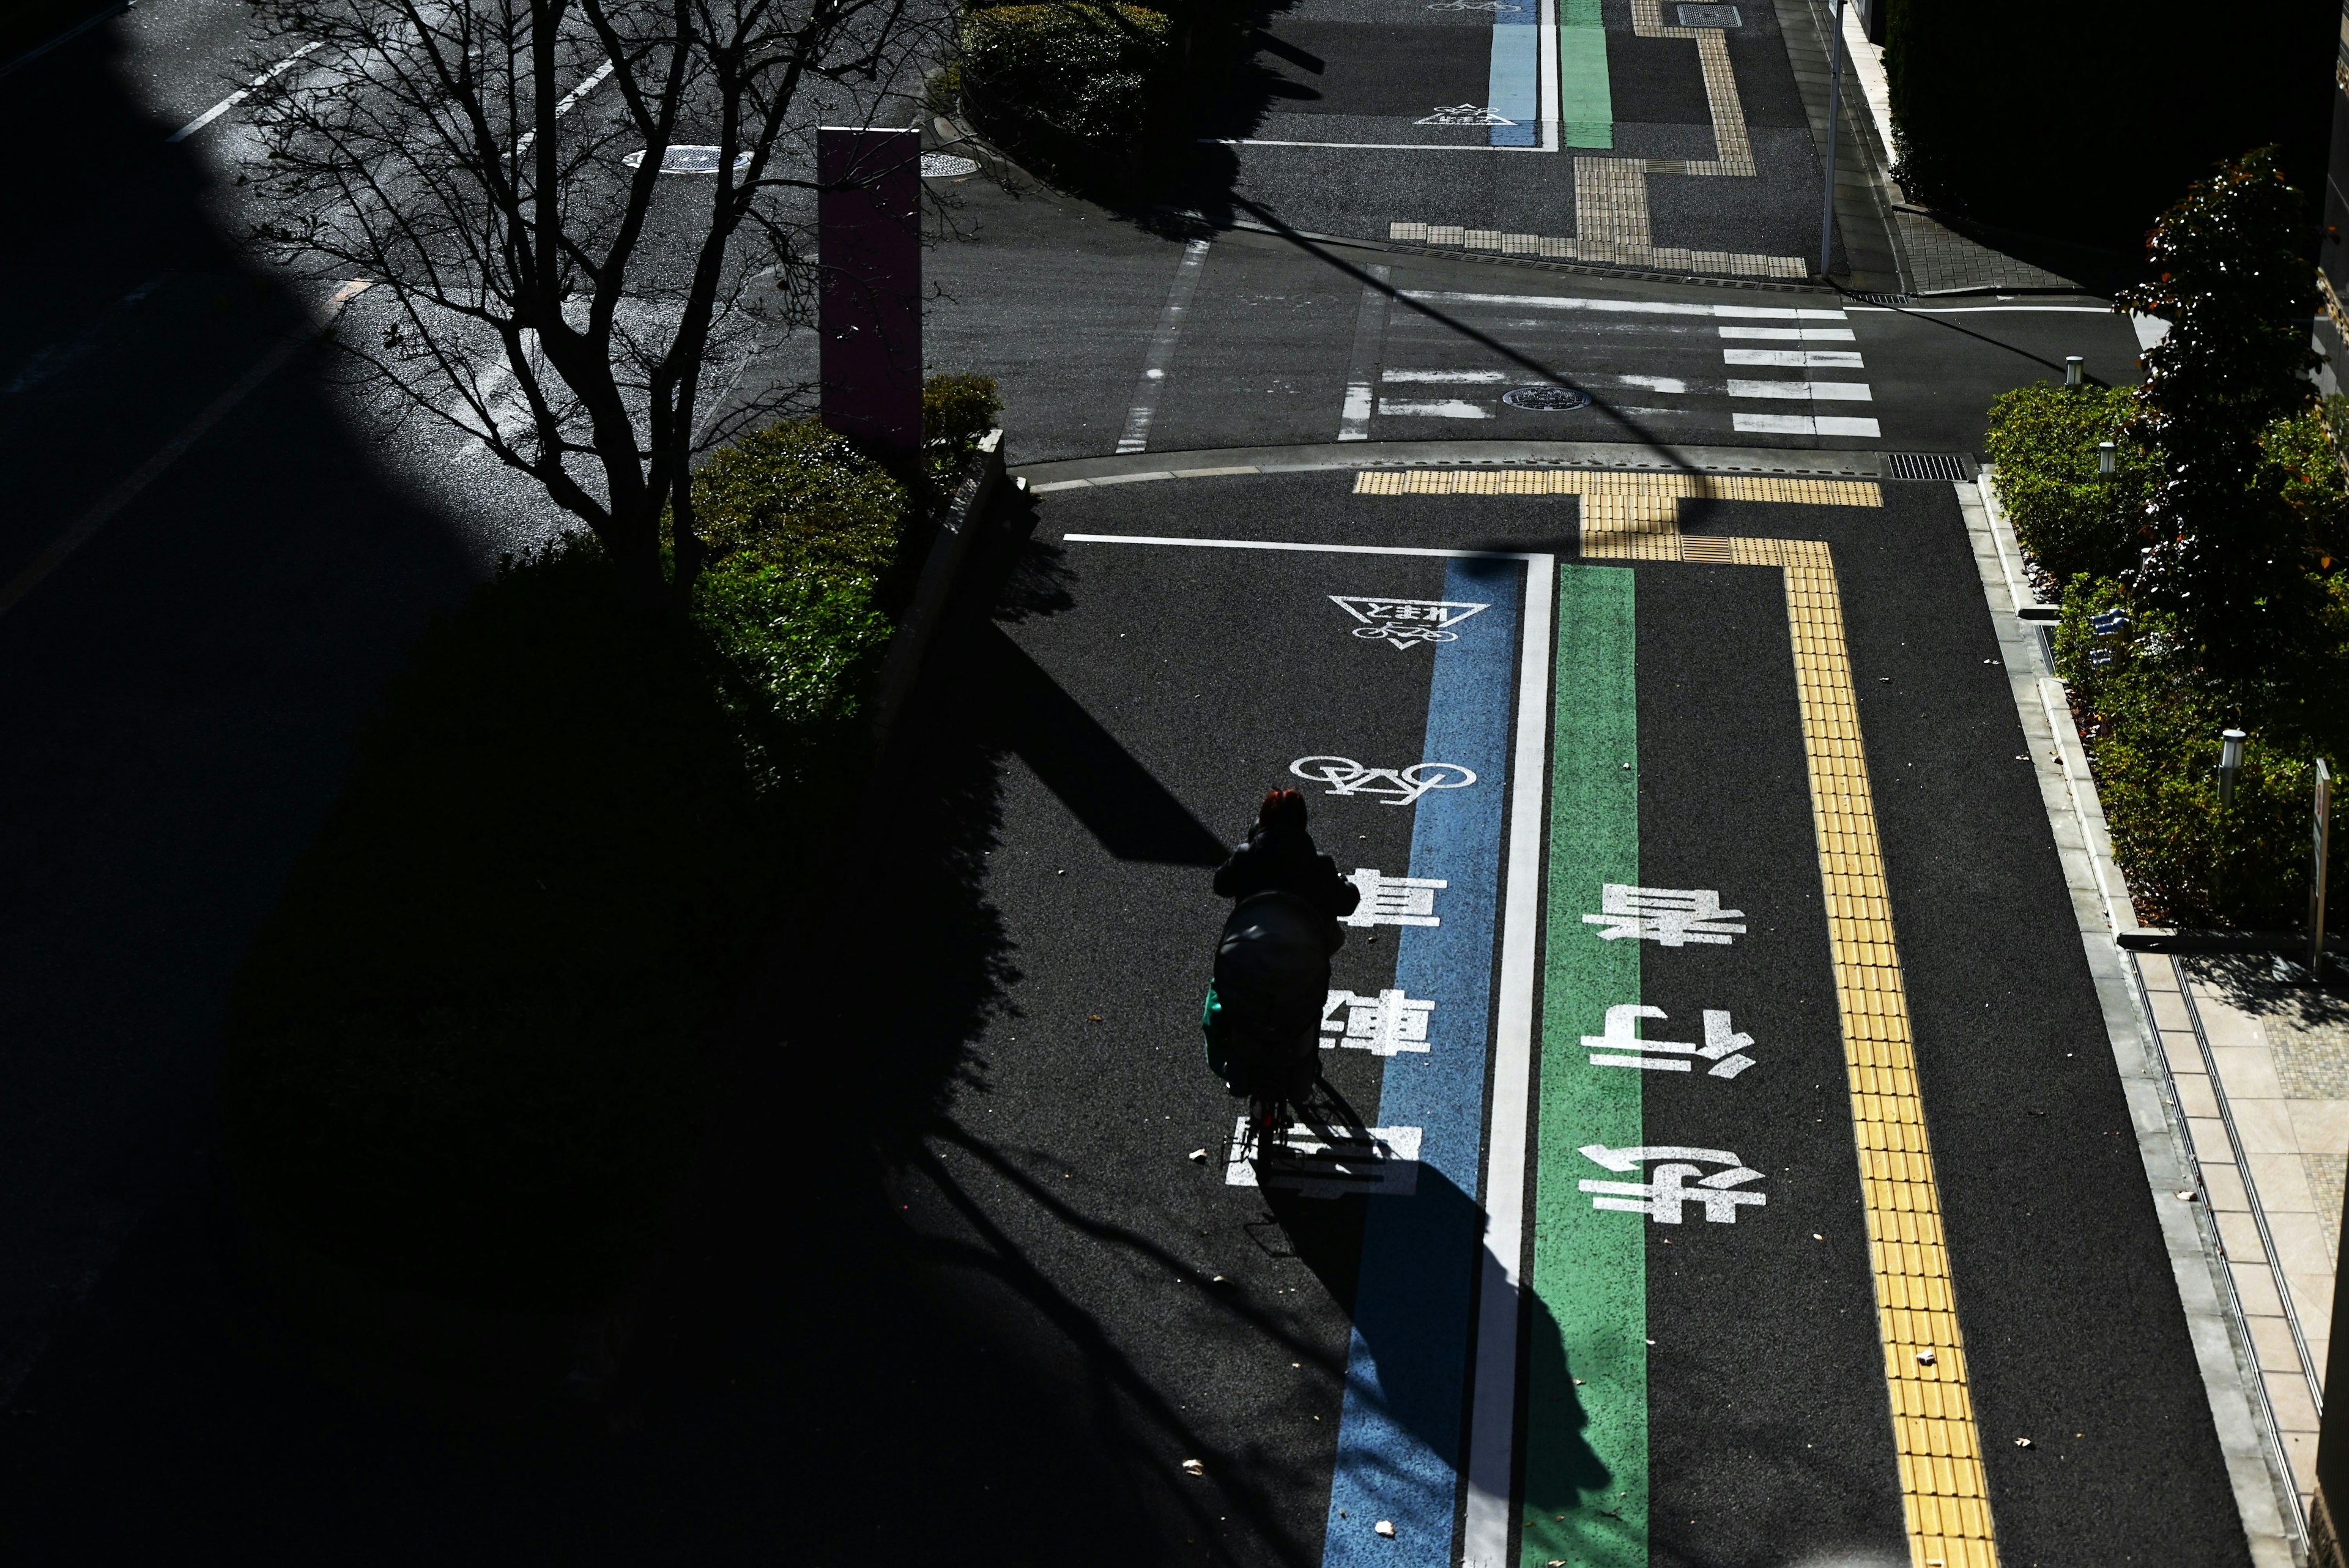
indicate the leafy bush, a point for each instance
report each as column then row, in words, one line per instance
column 468, row 1053
column 2044, row 439
column 2153, row 722
column 957, row 410
column 1067, row 81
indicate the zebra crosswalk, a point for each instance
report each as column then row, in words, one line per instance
column 1679, row 368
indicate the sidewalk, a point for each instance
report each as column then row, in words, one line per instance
column 2261, row 1060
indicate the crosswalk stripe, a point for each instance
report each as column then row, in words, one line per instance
column 1820, row 391
column 1800, row 358
column 1801, row 424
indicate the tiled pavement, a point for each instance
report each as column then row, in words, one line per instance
column 2261, row 1062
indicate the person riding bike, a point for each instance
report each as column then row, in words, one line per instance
column 1263, row 1013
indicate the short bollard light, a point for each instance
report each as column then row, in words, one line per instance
column 2073, row 367
column 2107, row 455
column 2231, row 763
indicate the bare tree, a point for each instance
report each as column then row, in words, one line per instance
column 570, row 210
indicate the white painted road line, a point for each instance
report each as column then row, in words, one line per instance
column 1434, row 408
column 1492, row 1407
column 147, row 473
column 1370, row 343
column 1448, row 378
column 239, row 96
column 1803, row 424
column 1161, row 348
column 1634, row 306
column 1797, row 359
column 1817, row 391
column 1655, row 383
column 1987, row 309
column 567, row 102
column 1790, row 334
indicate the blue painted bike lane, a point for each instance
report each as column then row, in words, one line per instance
column 1399, row 1434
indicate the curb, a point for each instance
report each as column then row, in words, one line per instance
column 942, row 571
column 2257, row 1471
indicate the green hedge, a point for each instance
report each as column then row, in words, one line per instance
column 1068, row 83
column 2150, row 716
column 468, row 1054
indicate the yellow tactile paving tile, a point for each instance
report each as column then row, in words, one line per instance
column 1943, row 1486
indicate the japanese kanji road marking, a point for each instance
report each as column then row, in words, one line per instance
column 1396, row 786
column 1326, row 1162
column 1385, row 1024
column 1667, row 1192
column 1395, row 900
column 1673, row 917
column 1620, row 1046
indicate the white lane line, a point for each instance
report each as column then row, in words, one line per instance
column 1161, row 348
column 1794, row 358
column 1493, row 1410
column 1655, row 383
column 1434, row 408
column 1814, row 391
column 1301, row 549
column 1377, row 145
column 1634, row 306
column 1790, row 334
column 1448, row 378
column 1370, row 343
column 147, row 473
column 1801, row 424
column 239, row 96
column 47, row 362
column 564, row 107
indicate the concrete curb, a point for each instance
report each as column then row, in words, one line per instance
column 1088, row 473
column 2247, row 1441
column 942, row 570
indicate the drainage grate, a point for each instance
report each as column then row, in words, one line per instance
column 1703, row 549
column 1545, row 399
column 1711, row 16
column 1950, row 465
column 1883, row 298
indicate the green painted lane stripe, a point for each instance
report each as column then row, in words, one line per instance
column 1587, row 98
column 1585, row 1499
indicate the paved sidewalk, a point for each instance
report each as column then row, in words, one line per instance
column 2261, row 1063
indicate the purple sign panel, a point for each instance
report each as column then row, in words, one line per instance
column 869, row 235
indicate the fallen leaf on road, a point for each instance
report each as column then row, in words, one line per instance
column 1924, row 1358
column 1192, row 1466
column 1200, row 1155
column 1383, row 1527
column 2022, row 1442
column 2186, row 1196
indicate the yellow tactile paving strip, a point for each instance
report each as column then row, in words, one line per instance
column 1939, row 1448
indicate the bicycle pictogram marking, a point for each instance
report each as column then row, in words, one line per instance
column 1396, row 786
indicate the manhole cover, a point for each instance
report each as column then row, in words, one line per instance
column 945, row 166
column 1545, row 399
column 690, row 160
column 1711, row 16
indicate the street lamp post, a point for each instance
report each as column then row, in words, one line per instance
column 2074, row 369
column 2108, row 452
column 2231, row 763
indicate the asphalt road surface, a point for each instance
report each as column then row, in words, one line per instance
column 980, row 1299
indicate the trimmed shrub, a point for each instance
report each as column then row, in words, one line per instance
column 957, row 410
column 468, row 1054
column 2043, row 439
column 1068, row 83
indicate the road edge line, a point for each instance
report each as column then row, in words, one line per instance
column 2205, row 1290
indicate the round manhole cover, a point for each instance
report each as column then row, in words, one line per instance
column 1545, row 399
column 690, row 160
column 945, row 166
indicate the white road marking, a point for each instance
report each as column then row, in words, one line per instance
column 1987, row 309
column 1370, row 342
column 1427, row 552
column 1493, row 1410
column 1634, row 306
column 1448, row 378
column 1382, row 1162
column 1791, row 333
column 1655, row 383
column 1161, row 348
column 565, row 106
column 1801, row 424
column 1434, row 408
column 239, row 96
column 1797, row 359
column 1817, row 391
column 147, row 473
column 47, row 362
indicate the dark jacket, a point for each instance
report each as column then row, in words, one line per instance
column 1286, row 863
